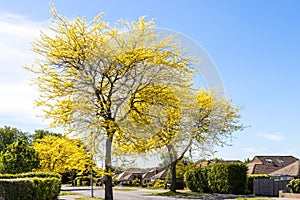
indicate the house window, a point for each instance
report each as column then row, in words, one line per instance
column 280, row 160
column 269, row 160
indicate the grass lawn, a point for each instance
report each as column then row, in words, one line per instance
column 68, row 193
column 178, row 194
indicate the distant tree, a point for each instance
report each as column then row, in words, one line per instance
column 63, row 155
column 204, row 125
column 40, row 134
column 247, row 160
column 19, row 157
column 9, row 135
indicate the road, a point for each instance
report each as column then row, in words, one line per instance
column 119, row 194
column 138, row 194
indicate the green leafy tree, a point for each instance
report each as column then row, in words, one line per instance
column 19, row 157
column 9, row 135
column 40, row 134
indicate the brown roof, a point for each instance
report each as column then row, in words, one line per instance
column 269, row 164
column 291, row 170
column 129, row 175
column 161, row 175
column 153, row 172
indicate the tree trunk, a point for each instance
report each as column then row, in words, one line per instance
column 173, row 175
column 108, row 168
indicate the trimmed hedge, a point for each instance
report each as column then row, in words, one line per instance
column 30, row 188
column 31, row 175
column 218, row 178
column 196, row 180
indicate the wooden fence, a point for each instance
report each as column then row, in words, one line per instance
column 269, row 187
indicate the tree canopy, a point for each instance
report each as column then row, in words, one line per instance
column 9, row 135
column 19, row 157
column 62, row 154
column 92, row 75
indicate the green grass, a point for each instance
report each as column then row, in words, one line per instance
column 125, row 188
column 68, row 193
column 178, row 194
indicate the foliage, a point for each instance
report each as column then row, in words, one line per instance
column 197, row 180
column 220, row 178
column 84, row 180
column 40, row 134
column 159, row 183
column 30, row 188
column 93, row 77
column 62, row 154
column 31, row 175
column 9, row 135
column 136, row 182
column 294, row 186
column 205, row 123
column 19, row 157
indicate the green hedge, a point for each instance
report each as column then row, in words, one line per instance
column 31, row 175
column 196, row 180
column 30, row 188
column 218, row 178
column 294, row 186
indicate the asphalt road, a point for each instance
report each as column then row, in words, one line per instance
column 119, row 194
column 137, row 194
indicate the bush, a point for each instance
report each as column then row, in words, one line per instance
column 294, row 186
column 159, row 184
column 218, row 178
column 136, row 182
column 30, row 188
column 196, row 180
column 31, row 175
column 83, row 181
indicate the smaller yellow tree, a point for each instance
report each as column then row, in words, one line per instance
column 62, row 155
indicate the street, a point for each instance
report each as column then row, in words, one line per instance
column 141, row 194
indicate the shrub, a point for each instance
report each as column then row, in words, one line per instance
column 82, row 181
column 218, row 178
column 159, row 183
column 30, row 188
column 31, row 175
column 196, row 179
column 136, row 182
column 294, row 186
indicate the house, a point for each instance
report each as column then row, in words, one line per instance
column 129, row 176
column 292, row 170
column 154, row 174
column 269, row 164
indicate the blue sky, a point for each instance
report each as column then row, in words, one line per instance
column 255, row 45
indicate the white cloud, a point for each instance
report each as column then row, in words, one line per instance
column 273, row 137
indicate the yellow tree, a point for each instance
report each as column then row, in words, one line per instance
column 206, row 121
column 88, row 74
column 62, row 155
